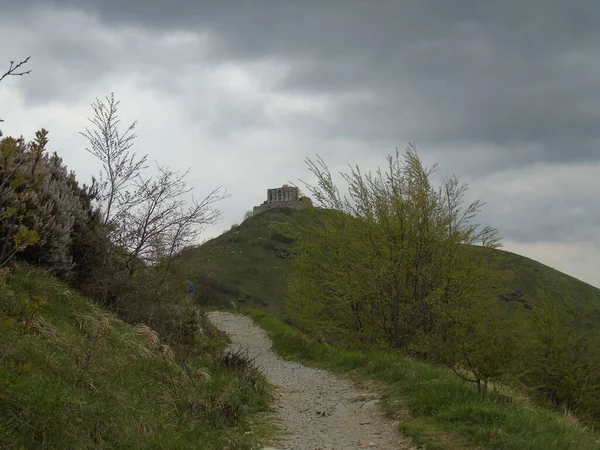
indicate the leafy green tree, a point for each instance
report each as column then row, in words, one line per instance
column 563, row 364
column 389, row 265
column 478, row 340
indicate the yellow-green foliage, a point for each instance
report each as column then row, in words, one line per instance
column 564, row 361
column 387, row 266
column 74, row 376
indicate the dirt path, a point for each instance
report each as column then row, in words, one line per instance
column 318, row 410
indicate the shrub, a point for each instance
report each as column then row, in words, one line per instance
column 18, row 179
column 238, row 360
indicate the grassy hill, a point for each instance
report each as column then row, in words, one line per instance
column 74, row 376
column 247, row 265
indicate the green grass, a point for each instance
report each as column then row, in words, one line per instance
column 246, row 265
column 517, row 273
column 80, row 378
column 434, row 407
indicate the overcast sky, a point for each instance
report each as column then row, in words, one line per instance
column 504, row 94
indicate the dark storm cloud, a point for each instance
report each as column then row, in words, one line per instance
column 246, row 116
column 484, row 85
column 521, row 75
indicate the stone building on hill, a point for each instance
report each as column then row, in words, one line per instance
column 282, row 197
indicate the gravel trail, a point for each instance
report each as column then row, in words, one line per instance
column 317, row 410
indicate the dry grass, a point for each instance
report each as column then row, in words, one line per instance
column 151, row 345
column 45, row 329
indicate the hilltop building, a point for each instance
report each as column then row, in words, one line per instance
column 282, row 197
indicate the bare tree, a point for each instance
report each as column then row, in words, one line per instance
column 120, row 166
column 14, row 70
column 164, row 222
column 248, row 214
column 150, row 217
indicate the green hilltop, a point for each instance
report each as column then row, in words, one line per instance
column 247, row 265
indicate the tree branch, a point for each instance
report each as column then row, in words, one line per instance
column 13, row 71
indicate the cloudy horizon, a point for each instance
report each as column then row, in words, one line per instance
column 505, row 95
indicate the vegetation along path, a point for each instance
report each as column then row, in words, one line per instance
column 318, row 410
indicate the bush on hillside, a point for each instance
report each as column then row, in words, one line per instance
column 563, row 365
column 19, row 162
column 386, row 266
column 40, row 195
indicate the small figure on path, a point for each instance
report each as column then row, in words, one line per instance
column 191, row 288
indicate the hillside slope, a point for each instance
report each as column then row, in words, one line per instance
column 74, row 376
column 247, row 265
